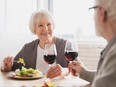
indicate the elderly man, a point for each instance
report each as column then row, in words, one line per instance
column 105, row 23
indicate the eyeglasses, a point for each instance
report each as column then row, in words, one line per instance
column 92, row 10
column 94, row 7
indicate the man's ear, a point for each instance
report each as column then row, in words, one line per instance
column 102, row 14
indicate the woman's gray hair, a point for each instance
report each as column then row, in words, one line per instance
column 37, row 17
column 109, row 6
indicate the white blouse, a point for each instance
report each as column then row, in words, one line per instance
column 40, row 63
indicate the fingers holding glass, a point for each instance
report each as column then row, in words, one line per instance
column 54, row 71
column 75, row 68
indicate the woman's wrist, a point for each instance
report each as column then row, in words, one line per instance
column 5, row 69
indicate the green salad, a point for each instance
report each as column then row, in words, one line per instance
column 24, row 72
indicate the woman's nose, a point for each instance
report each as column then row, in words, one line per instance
column 45, row 28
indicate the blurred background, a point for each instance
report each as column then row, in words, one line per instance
column 72, row 19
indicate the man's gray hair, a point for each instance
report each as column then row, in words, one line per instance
column 109, row 6
column 37, row 17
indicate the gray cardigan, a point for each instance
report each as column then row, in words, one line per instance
column 105, row 76
column 29, row 54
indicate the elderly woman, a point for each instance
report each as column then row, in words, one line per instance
column 42, row 25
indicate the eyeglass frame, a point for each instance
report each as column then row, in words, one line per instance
column 94, row 7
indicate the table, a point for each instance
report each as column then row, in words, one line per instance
column 5, row 81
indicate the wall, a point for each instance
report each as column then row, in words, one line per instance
column 90, row 54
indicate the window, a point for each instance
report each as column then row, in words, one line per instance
column 72, row 17
column 14, row 24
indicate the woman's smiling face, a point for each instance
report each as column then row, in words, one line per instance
column 44, row 29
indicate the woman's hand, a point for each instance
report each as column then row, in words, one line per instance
column 7, row 63
column 75, row 67
column 55, row 71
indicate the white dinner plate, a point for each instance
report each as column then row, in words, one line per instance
column 12, row 75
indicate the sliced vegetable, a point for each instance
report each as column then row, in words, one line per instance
column 22, row 61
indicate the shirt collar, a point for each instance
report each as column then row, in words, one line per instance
column 108, row 46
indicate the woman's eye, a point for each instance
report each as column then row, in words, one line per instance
column 40, row 25
column 48, row 24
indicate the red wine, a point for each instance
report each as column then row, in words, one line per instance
column 50, row 59
column 71, row 55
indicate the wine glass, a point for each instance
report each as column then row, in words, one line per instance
column 50, row 53
column 71, row 53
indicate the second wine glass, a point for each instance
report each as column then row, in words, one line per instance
column 71, row 52
column 50, row 53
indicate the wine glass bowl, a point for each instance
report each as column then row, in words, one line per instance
column 71, row 50
column 50, row 53
column 70, row 56
column 50, row 59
